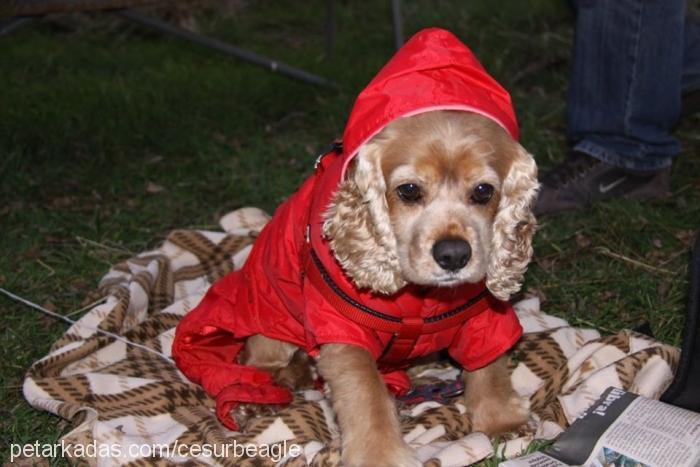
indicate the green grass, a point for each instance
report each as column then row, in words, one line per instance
column 88, row 118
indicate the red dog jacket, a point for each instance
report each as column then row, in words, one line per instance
column 291, row 288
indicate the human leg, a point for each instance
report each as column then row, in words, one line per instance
column 624, row 99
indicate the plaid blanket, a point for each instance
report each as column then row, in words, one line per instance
column 124, row 396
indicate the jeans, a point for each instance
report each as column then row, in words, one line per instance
column 632, row 61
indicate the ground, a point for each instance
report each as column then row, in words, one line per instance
column 112, row 136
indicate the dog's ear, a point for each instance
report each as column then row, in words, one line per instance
column 358, row 227
column 513, row 227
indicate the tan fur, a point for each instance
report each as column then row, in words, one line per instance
column 492, row 404
column 353, row 235
column 371, row 434
column 513, row 227
column 262, row 352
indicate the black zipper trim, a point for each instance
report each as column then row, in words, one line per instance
column 329, row 281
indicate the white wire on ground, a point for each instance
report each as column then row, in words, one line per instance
column 92, row 328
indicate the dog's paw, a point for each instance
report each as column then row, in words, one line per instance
column 520, row 406
column 496, row 417
column 403, row 457
column 379, row 453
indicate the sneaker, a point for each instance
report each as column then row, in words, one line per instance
column 582, row 180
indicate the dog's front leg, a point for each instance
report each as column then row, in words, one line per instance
column 492, row 404
column 369, row 425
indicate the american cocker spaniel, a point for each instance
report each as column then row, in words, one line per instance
column 437, row 199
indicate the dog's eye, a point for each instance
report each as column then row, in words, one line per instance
column 409, row 192
column 482, row 193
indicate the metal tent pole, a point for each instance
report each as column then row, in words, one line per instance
column 398, row 23
column 226, row 48
column 13, row 24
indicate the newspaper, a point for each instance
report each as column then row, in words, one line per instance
column 624, row 429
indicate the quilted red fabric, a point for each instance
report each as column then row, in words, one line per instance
column 270, row 295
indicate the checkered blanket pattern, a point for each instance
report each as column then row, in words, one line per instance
column 134, row 399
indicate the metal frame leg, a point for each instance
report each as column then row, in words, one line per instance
column 13, row 24
column 398, row 23
column 226, row 48
column 330, row 29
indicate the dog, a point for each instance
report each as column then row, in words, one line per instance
column 442, row 185
column 408, row 239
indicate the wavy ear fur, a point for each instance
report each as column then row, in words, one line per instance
column 513, row 227
column 358, row 227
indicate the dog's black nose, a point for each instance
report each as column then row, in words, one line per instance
column 452, row 254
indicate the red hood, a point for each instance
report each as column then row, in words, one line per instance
column 434, row 70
